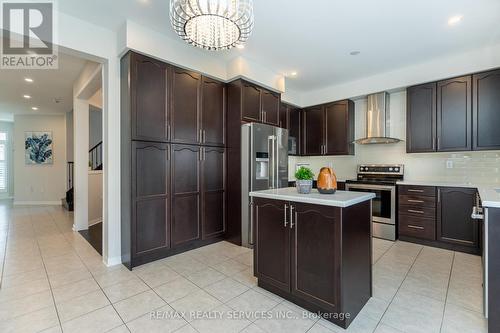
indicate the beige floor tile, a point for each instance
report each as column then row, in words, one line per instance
column 176, row 289
column 283, row 319
column 25, row 305
column 135, row 306
column 22, row 278
column 119, row 329
column 186, row 329
column 245, row 258
column 226, row 289
column 101, row 320
column 222, row 321
column 70, row 291
column 23, row 290
column 230, row 267
column 36, row 321
column 163, row 321
column 253, row 329
column 125, row 289
column 113, row 277
column 81, row 305
column 157, row 276
column 186, row 265
column 246, row 277
column 460, row 320
column 205, row 277
column 195, row 302
column 382, row 328
column 55, row 329
column 374, row 309
column 360, row 324
column 59, row 280
column 427, row 284
column 318, row 328
column 252, row 301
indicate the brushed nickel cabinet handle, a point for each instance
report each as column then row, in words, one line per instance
column 413, row 190
column 415, row 211
column 286, row 208
column 417, row 201
column 291, row 217
column 415, row 227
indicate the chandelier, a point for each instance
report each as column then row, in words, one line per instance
column 212, row 24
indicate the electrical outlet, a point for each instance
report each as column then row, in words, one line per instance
column 449, row 164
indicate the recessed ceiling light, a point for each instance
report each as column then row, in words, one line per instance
column 293, row 74
column 34, row 108
column 27, row 96
column 354, row 53
column 240, row 46
column 28, row 79
column 455, row 19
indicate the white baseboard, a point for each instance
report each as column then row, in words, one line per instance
column 112, row 261
column 91, row 223
column 38, row 203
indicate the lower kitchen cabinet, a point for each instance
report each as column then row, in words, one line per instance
column 214, row 192
column 316, row 256
column 454, row 223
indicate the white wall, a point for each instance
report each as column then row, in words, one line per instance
column 69, row 136
column 479, row 167
column 40, row 184
column 8, row 127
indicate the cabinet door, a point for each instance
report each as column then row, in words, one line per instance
column 454, row 222
column 314, row 131
column 213, row 166
column 185, row 194
column 421, row 118
column 316, row 253
column 486, row 110
column 271, row 107
column 250, row 103
column 150, row 193
column 454, row 114
column 213, row 112
column 283, row 116
column 272, row 249
column 295, row 130
column 149, row 99
column 339, row 129
column 185, row 88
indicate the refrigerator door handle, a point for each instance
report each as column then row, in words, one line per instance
column 270, row 171
column 276, row 162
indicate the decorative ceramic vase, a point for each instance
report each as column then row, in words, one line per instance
column 304, row 186
column 327, row 181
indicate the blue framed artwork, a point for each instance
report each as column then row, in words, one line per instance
column 38, row 148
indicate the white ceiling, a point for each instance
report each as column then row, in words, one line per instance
column 47, row 85
column 314, row 38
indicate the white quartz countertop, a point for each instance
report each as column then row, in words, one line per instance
column 489, row 193
column 339, row 199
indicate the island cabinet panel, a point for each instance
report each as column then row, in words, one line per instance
column 454, row 114
column 454, row 222
column 313, row 131
column 148, row 98
column 186, row 194
column 213, row 112
column 250, row 108
column 272, row 255
column 486, row 110
column 151, row 209
column 315, row 257
column 421, row 118
column 214, row 194
column 185, row 92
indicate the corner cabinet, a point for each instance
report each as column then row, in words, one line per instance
column 173, row 128
column 318, row 257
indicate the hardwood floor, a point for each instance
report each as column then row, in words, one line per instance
column 94, row 236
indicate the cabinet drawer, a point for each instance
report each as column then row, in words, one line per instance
column 417, row 211
column 417, row 201
column 429, row 191
column 417, row 227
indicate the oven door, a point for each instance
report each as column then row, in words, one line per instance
column 383, row 205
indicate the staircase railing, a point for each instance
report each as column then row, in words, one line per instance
column 95, row 157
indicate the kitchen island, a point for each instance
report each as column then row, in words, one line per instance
column 314, row 249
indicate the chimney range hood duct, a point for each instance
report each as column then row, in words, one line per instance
column 377, row 121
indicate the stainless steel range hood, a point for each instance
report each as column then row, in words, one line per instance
column 377, row 120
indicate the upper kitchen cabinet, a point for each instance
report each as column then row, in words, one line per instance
column 146, row 97
column 454, row 114
column 329, row 129
column 270, row 107
column 185, row 98
column 283, row 123
column 251, row 108
column 339, row 132
column 486, row 110
column 314, row 127
column 213, row 112
column 421, row 118
column 291, row 119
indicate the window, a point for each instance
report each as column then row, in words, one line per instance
column 3, row 162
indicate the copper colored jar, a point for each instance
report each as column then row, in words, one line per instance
column 327, row 181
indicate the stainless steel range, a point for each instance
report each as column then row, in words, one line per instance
column 380, row 179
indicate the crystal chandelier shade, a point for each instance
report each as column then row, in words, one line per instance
column 212, row 24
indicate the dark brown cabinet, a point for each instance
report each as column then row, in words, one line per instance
column 213, row 112
column 214, row 192
column 486, row 110
column 257, row 104
column 150, row 208
column 186, row 194
column 329, row 129
column 294, row 131
column 421, row 118
column 251, row 108
column 454, row 114
column 185, row 93
column 283, row 123
column 148, row 100
column 454, row 222
column 417, row 212
column 270, row 107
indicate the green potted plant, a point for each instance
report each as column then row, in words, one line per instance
column 304, row 177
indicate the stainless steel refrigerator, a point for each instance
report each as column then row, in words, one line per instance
column 264, row 165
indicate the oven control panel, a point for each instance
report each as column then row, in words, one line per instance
column 378, row 169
